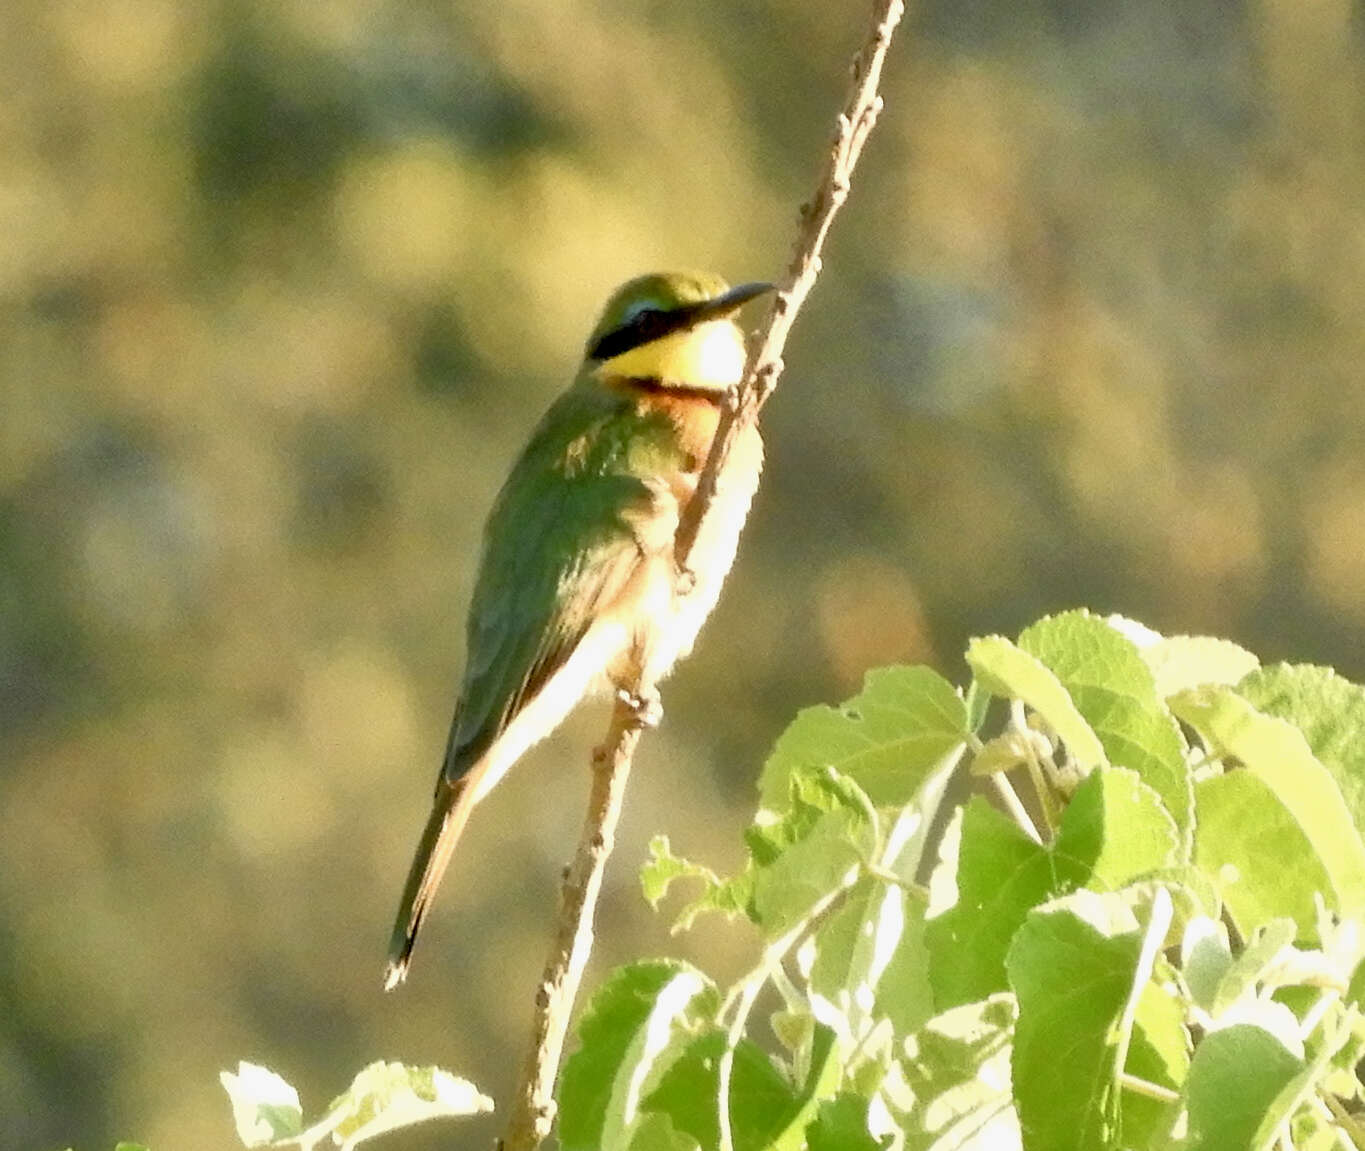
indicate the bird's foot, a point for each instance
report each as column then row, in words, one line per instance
column 645, row 706
column 684, row 581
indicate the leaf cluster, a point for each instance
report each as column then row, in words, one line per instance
column 1142, row 929
column 382, row 1097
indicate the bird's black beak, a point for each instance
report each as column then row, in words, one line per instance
column 728, row 302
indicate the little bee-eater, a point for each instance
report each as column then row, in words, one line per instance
column 578, row 590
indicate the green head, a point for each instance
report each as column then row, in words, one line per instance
column 673, row 327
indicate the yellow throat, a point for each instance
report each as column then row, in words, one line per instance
column 711, row 356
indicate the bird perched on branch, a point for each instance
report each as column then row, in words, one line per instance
column 578, row 590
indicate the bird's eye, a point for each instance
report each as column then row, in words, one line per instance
column 640, row 325
column 647, row 321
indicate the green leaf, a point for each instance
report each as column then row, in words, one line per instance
column 382, row 1097
column 842, row 1125
column 1155, row 1051
column 658, row 873
column 763, row 1103
column 877, row 930
column 1277, row 753
column 905, row 994
column 821, row 841
column 1192, row 890
column 1117, row 828
column 655, row 1133
column 1072, row 967
column 823, row 1075
column 1114, row 690
column 813, row 793
column 978, row 702
column 1235, row 1077
column 1329, row 710
column 1160, row 1054
column 1186, row 661
column 264, row 1107
column 386, row 1096
column 887, row 739
column 1205, row 957
column 1006, row 671
column 1249, row 966
column 663, row 867
column 852, row 947
column 1256, row 854
column 1001, row 875
column 957, row 1072
column 123, row 1145
column 644, row 1013
column 1341, row 1079
column 915, row 828
column 1310, row 1130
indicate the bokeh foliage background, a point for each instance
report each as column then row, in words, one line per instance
column 283, row 286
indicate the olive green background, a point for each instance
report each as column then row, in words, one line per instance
column 283, row 286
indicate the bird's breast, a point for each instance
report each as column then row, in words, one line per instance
column 667, row 616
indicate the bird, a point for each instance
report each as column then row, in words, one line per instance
column 578, row 590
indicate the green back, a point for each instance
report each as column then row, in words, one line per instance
column 556, row 549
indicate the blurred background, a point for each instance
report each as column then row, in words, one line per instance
column 285, row 283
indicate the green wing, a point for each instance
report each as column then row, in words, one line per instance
column 557, row 548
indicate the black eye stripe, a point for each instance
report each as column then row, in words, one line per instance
column 646, row 325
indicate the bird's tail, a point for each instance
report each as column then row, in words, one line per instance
column 449, row 813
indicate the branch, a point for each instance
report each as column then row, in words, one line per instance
column 859, row 114
column 534, row 1108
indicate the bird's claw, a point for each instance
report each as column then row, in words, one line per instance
column 685, row 580
column 645, row 706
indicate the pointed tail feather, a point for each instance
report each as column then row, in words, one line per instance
column 449, row 813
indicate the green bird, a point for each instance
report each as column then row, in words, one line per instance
column 578, row 591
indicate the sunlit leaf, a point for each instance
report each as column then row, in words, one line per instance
column 1117, row 828
column 264, row 1107
column 1249, row 965
column 877, row 929
column 905, row 994
column 1159, row 1052
column 843, row 1125
column 887, row 739
column 636, row 1022
column 1114, row 690
column 1205, row 957
column 1150, row 1035
column 825, row 833
column 1185, row 661
column 1235, row 1078
column 762, row 1102
column 824, row 1063
column 1072, row 966
column 1010, row 673
column 655, row 1132
column 1277, row 753
column 818, row 845
column 658, row 873
column 1002, row 874
column 386, row 1096
column 1256, row 854
column 1330, row 712
column 957, row 1074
